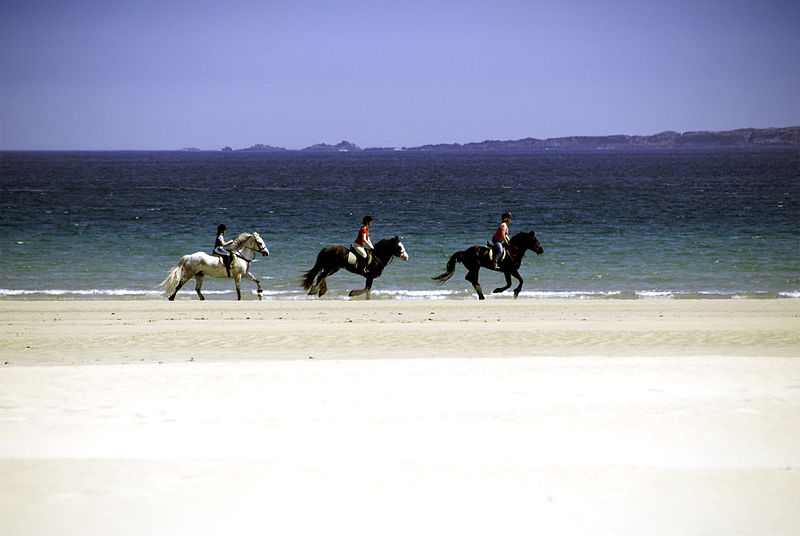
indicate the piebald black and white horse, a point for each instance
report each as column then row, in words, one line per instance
column 331, row 260
column 199, row 265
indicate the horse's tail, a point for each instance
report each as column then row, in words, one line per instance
column 451, row 267
column 174, row 277
column 307, row 279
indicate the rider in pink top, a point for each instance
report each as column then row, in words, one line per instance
column 500, row 238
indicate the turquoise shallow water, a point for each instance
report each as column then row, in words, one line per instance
column 662, row 225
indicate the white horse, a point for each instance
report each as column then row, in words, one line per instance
column 199, row 265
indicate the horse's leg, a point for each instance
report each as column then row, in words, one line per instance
column 198, row 277
column 508, row 284
column 367, row 289
column 515, row 273
column 314, row 289
column 184, row 280
column 321, row 277
column 238, row 281
column 172, row 297
column 323, row 287
column 322, row 284
column 472, row 277
column 248, row 275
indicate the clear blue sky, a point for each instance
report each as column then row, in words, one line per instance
column 167, row 74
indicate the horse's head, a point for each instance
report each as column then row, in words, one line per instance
column 260, row 246
column 400, row 250
column 390, row 247
column 247, row 244
column 528, row 241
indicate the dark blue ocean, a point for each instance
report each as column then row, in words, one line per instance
column 649, row 225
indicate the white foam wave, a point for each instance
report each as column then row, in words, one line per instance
column 417, row 294
column 403, row 294
column 79, row 292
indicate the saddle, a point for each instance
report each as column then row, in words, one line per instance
column 490, row 248
column 227, row 262
column 356, row 260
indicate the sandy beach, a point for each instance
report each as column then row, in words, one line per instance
column 618, row 417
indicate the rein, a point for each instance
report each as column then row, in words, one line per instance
column 519, row 250
column 238, row 246
column 384, row 264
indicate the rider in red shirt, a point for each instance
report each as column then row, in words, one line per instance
column 362, row 240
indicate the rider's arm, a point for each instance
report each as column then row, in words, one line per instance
column 369, row 243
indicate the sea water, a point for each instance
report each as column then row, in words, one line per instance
column 657, row 225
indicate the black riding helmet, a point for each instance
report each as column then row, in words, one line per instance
column 366, row 220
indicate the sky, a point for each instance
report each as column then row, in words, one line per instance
column 139, row 75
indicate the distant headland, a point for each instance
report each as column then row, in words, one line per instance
column 742, row 138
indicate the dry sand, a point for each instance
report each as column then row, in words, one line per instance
column 400, row 417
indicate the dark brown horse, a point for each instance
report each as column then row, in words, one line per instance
column 331, row 260
column 478, row 256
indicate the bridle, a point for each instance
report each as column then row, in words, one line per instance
column 391, row 256
column 260, row 249
column 258, row 243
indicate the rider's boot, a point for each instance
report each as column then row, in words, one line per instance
column 497, row 256
column 227, row 262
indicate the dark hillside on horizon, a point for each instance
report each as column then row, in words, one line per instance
column 741, row 138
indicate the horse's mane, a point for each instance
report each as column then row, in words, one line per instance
column 381, row 244
column 384, row 242
column 518, row 236
column 519, row 241
column 237, row 242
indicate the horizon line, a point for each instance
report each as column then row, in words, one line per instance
column 401, row 148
